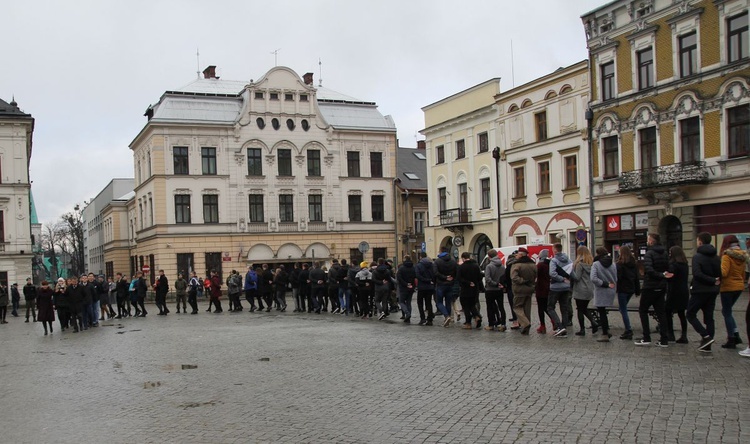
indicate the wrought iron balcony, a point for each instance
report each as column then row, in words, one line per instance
column 687, row 173
column 455, row 217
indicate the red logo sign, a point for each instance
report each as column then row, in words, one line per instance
column 613, row 223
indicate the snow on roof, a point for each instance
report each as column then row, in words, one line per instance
column 350, row 116
column 204, row 109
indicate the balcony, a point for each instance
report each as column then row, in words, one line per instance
column 687, row 173
column 455, row 218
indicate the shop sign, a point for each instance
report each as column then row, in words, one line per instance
column 626, row 222
column 641, row 221
column 613, row 223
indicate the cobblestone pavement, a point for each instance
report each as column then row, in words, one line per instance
column 286, row 377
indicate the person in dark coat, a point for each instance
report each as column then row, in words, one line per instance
column 141, row 288
column 216, row 291
column 304, row 288
column 45, row 306
column 265, row 284
column 74, row 295
column 15, row 299
column 469, row 277
column 677, row 293
column 704, row 289
column 425, row 290
column 3, row 303
column 61, row 304
column 280, row 282
column 121, row 295
column 542, row 290
column 317, row 282
column 656, row 266
column 406, row 276
column 628, row 284
column 29, row 293
column 161, row 287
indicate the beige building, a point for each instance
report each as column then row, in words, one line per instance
column 231, row 173
column 671, row 120
column 544, row 159
column 16, row 133
column 461, row 171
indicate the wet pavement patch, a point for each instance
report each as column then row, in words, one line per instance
column 191, row 405
column 264, row 359
column 189, row 366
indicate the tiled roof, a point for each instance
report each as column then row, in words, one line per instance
column 408, row 162
column 11, row 109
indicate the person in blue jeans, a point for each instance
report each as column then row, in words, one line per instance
column 445, row 274
column 628, row 284
column 406, row 276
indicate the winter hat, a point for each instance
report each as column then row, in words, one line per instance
column 544, row 254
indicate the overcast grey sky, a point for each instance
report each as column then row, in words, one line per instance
column 88, row 69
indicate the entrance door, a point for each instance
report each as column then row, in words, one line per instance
column 670, row 229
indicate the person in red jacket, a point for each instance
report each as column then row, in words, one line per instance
column 216, row 291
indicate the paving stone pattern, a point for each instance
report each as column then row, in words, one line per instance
column 298, row 378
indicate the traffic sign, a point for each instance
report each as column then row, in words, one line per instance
column 146, row 269
column 424, row 247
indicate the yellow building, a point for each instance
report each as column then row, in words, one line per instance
column 671, row 120
column 235, row 173
column 461, row 172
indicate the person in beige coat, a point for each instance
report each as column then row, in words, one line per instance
column 523, row 276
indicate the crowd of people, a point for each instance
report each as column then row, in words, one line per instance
column 376, row 289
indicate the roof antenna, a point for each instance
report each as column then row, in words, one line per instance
column 276, row 57
column 512, row 70
column 320, row 73
column 198, row 58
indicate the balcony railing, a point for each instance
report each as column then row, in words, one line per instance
column 455, row 216
column 316, row 226
column 686, row 173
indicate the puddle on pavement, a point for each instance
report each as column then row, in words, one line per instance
column 190, row 405
column 189, row 366
column 264, row 359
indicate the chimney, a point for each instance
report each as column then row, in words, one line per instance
column 421, row 145
column 210, row 72
column 308, row 77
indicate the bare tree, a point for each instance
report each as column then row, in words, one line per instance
column 53, row 240
column 73, row 224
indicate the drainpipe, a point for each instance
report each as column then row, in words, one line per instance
column 590, row 129
column 396, row 181
column 496, row 156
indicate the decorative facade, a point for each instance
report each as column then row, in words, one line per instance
column 544, row 160
column 232, row 173
column 671, row 120
column 16, row 134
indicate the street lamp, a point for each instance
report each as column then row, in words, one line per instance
column 590, row 129
column 496, row 156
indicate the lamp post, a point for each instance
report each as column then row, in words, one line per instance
column 496, row 156
column 590, row 130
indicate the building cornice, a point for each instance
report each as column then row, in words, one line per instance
column 477, row 113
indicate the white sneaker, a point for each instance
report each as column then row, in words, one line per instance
column 561, row 333
column 745, row 352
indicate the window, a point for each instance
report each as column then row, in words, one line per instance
column 213, row 263
column 260, row 122
column 315, row 207
column 442, row 200
column 690, row 139
column 355, row 256
column 460, row 149
column 313, row 162
column 303, row 97
column 540, row 120
column 571, row 172
column 484, row 185
column 463, row 196
column 352, row 163
column 378, row 208
column 286, row 207
column 355, row 208
column 275, row 123
column 411, row 176
column 688, row 54
column 256, row 208
column 185, row 264
column 376, row 164
column 519, row 189
column 419, row 222
column 274, row 96
column 2, row 226
column 4, row 279
column 290, row 124
column 254, row 162
column 544, row 182
column 483, row 142
column 285, row 162
column 645, row 68
column 737, row 48
column 739, row 131
column 305, row 124
column 608, row 81
column 182, row 208
column 647, row 138
column 210, row 209
column 440, row 150
column 611, row 157
column 377, row 253
column 521, row 240
column 180, row 155
column 208, row 159
column 259, row 95
column 289, row 97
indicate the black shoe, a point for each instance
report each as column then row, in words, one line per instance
column 428, row 323
column 27, row 320
column 627, row 335
column 706, row 344
column 682, row 340
column 525, row 330
column 581, row 333
column 422, row 322
column 594, row 328
column 730, row 344
column 407, row 320
column 737, row 339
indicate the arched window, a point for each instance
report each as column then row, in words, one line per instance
column 260, row 122
column 305, row 125
column 290, row 124
column 275, row 123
